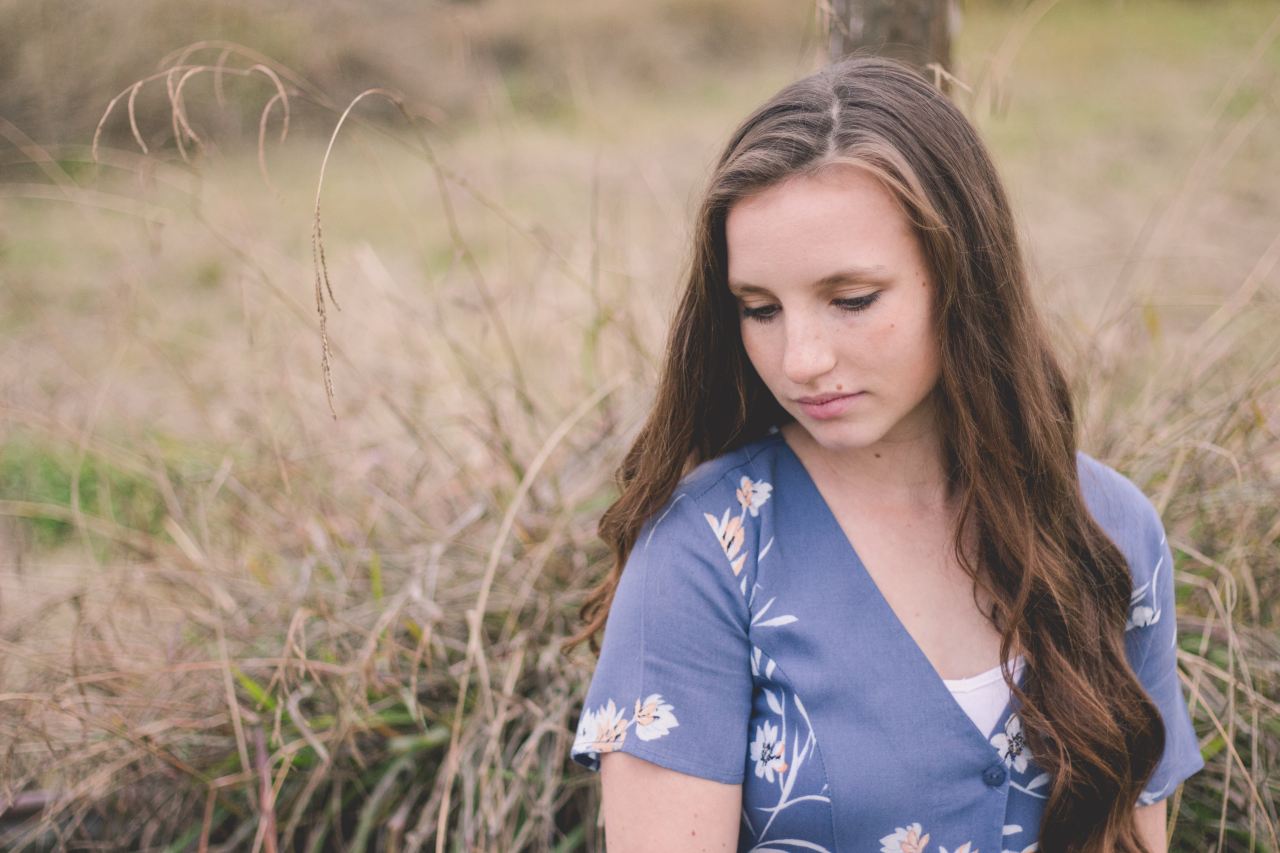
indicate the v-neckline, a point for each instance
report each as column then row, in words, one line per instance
column 940, row 688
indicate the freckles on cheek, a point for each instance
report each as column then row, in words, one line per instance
column 879, row 337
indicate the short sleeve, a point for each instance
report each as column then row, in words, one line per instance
column 1153, row 618
column 673, row 682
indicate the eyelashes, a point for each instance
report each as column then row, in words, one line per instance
column 765, row 313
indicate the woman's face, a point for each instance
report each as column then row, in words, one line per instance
column 836, row 302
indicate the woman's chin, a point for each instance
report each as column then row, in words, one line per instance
column 837, row 434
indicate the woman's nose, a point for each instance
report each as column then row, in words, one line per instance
column 809, row 354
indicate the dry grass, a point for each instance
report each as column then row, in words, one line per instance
column 231, row 621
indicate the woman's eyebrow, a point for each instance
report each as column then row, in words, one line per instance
column 874, row 273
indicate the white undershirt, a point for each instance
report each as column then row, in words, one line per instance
column 984, row 696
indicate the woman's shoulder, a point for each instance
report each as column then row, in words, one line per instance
column 1111, row 496
column 724, row 475
column 1122, row 509
column 719, row 502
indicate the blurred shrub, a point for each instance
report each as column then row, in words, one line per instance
column 61, row 61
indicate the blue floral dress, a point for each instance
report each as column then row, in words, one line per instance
column 747, row 643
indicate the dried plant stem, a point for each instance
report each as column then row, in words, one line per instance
column 475, row 615
column 317, row 244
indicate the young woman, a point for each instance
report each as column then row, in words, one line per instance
column 868, row 594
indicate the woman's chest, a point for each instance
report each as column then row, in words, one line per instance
column 854, row 735
column 928, row 593
column 852, row 738
column 854, row 741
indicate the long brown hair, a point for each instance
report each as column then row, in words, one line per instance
column 1060, row 585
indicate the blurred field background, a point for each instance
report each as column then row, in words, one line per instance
column 232, row 621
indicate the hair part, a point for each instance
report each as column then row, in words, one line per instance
column 1024, row 534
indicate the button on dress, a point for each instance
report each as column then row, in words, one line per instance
column 747, row 643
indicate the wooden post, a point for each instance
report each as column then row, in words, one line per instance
column 915, row 31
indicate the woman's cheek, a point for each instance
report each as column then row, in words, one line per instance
column 755, row 355
column 879, row 337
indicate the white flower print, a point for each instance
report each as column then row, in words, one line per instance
column 767, row 751
column 1151, row 795
column 1144, row 615
column 653, row 717
column 905, row 839
column 757, row 616
column 756, row 655
column 728, row 529
column 1015, row 829
column 753, row 494
column 912, row 839
column 1011, row 745
column 586, row 731
column 1030, row 788
column 769, row 748
column 605, row 729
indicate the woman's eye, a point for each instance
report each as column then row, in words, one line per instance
column 763, row 314
column 858, row 303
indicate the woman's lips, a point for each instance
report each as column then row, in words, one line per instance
column 832, row 407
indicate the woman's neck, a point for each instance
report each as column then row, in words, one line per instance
column 906, row 474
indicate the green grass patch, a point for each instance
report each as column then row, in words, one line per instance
column 38, row 472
